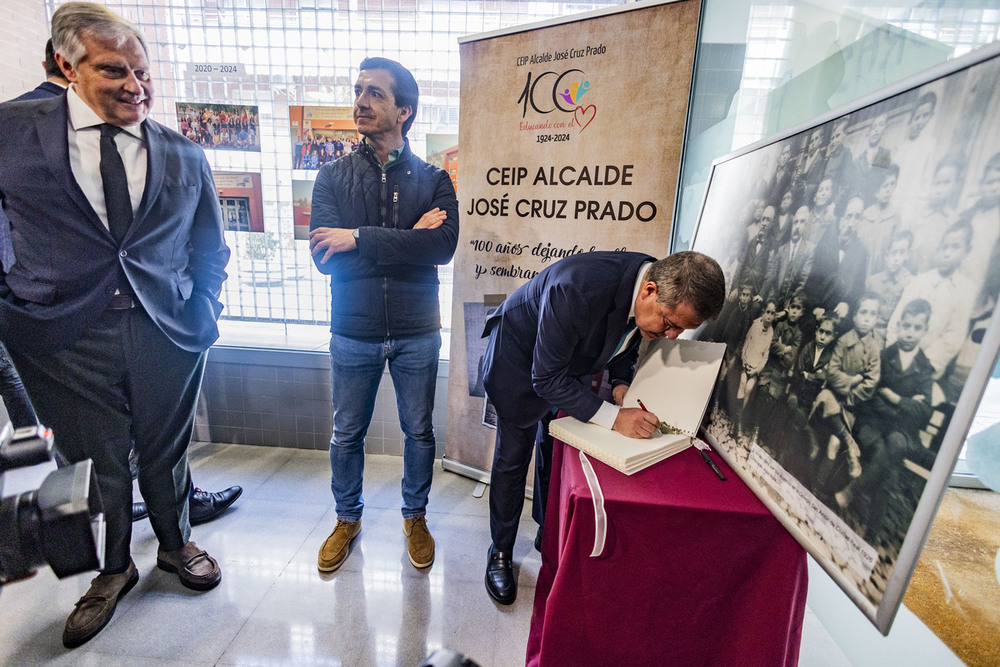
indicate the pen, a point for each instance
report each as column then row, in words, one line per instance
column 711, row 464
column 641, row 405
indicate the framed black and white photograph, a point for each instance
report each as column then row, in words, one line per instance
column 861, row 255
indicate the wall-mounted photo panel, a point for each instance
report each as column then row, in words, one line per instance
column 862, row 257
column 228, row 127
column 241, row 201
column 321, row 135
column 301, row 207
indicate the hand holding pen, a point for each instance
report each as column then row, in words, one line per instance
column 703, row 453
column 636, row 423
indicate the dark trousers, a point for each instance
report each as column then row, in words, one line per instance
column 543, row 469
column 515, row 441
column 123, row 384
column 508, row 478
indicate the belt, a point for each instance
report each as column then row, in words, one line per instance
column 121, row 302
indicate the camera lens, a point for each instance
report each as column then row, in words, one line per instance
column 20, row 550
column 61, row 523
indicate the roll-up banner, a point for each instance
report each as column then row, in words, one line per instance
column 570, row 140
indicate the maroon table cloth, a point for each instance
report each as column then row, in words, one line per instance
column 695, row 571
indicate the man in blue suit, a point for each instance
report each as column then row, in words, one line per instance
column 112, row 299
column 55, row 83
column 579, row 316
column 204, row 506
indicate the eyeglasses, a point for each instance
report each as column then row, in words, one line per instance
column 668, row 324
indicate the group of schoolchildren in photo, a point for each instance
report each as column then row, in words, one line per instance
column 312, row 152
column 858, row 300
column 220, row 126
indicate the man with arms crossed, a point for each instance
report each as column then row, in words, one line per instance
column 113, row 299
column 548, row 339
column 382, row 222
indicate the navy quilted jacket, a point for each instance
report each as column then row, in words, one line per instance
column 389, row 285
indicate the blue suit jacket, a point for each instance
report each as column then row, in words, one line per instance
column 556, row 331
column 41, row 91
column 67, row 263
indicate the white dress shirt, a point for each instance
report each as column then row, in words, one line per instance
column 85, row 154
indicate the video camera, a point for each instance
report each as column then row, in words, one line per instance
column 61, row 523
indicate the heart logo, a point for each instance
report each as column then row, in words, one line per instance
column 584, row 115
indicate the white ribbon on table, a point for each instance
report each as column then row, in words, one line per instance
column 600, row 516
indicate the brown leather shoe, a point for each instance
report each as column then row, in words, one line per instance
column 194, row 567
column 419, row 543
column 336, row 547
column 95, row 609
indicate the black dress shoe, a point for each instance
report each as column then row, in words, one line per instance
column 139, row 512
column 500, row 582
column 206, row 506
column 538, row 540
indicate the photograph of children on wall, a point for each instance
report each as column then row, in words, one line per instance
column 861, row 259
column 321, row 135
column 220, row 126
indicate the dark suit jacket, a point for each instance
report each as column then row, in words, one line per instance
column 67, row 263
column 785, row 275
column 558, row 330
column 40, row 92
column 834, row 279
column 910, row 415
column 44, row 90
column 753, row 265
column 808, row 182
column 806, row 390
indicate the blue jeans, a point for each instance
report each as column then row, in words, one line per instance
column 356, row 367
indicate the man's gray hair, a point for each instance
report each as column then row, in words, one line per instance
column 690, row 277
column 76, row 20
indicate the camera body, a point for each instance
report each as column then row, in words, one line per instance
column 61, row 523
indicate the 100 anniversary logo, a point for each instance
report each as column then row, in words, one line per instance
column 557, row 92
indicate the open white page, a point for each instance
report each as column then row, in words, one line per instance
column 675, row 379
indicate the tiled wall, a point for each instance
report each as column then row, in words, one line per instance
column 282, row 399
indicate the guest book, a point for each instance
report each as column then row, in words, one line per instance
column 673, row 380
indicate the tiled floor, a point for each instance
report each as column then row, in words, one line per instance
column 274, row 608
